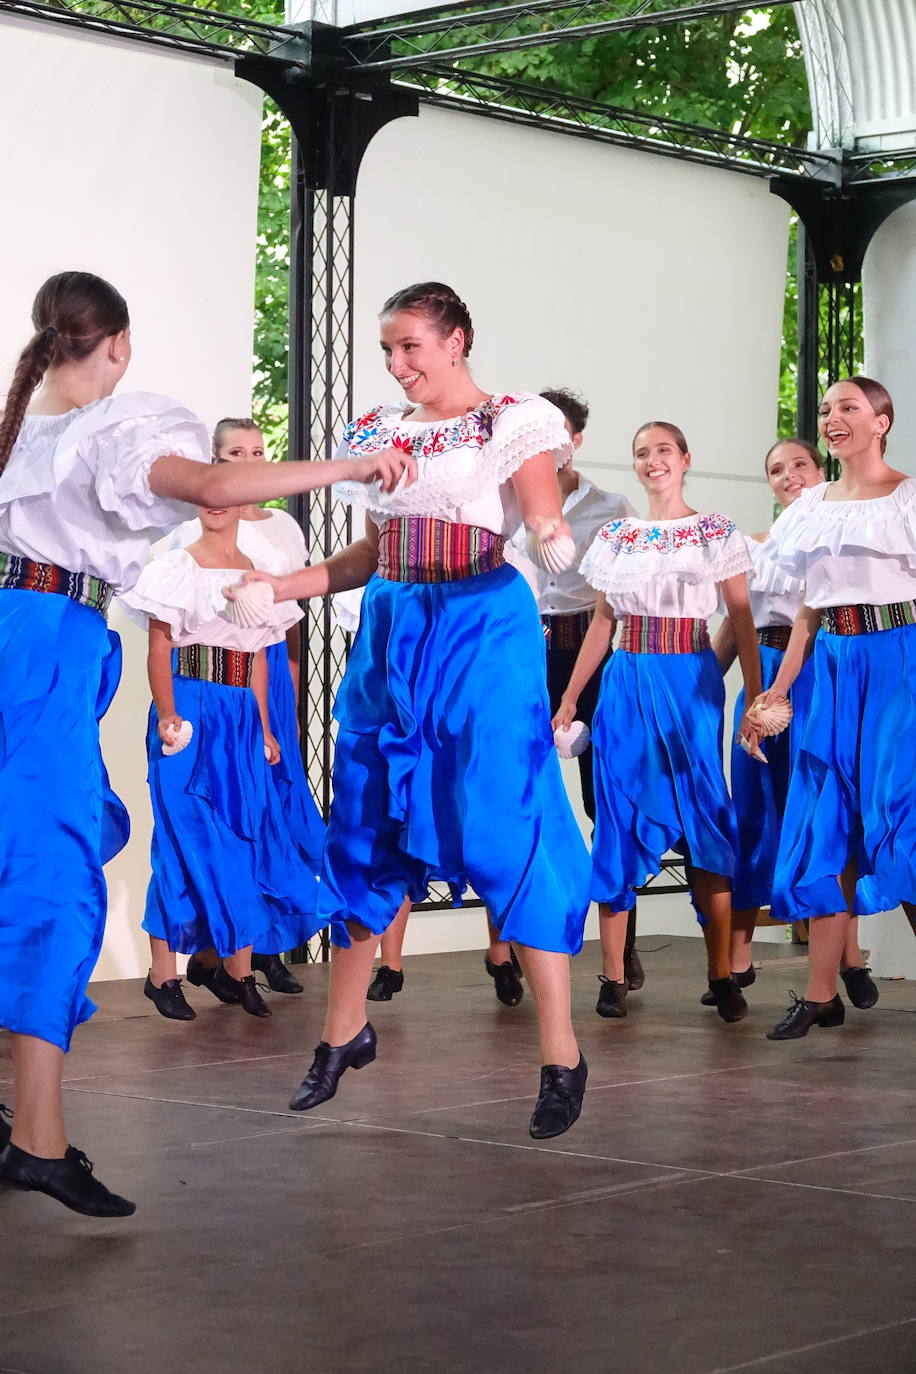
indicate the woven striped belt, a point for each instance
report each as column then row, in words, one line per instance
column 865, row 620
column 21, row 574
column 649, row 634
column 229, row 667
column 417, row 549
column 774, row 636
column 567, row 631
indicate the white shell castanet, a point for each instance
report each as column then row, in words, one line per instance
column 573, row 740
column 774, row 718
column 250, row 604
column 555, row 552
column 179, row 739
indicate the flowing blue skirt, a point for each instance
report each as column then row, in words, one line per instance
column 303, row 828
column 59, row 669
column 224, row 872
column 659, row 783
column 445, row 765
column 853, row 789
column 760, row 790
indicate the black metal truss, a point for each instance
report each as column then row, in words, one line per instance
column 171, row 25
column 518, row 103
column 406, row 41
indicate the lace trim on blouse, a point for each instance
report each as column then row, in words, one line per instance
column 700, row 548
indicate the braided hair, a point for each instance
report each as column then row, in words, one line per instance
column 437, row 303
column 72, row 314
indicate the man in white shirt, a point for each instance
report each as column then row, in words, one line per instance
column 567, row 603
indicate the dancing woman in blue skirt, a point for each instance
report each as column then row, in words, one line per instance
column 89, row 481
column 275, row 541
column 759, row 794
column 224, row 869
column 848, row 842
column 659, row 783
column 445, row 765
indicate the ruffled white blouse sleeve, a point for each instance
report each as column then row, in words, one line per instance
column 775, row 595
column 849, row 552
column 464, row 462
column 76, row 489
column 191, row 601
column 665, row 567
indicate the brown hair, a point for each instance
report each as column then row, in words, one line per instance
column 676, row 434
column 574, row 408
column 228, row 423
column 879, row 398
column 439, row 304
column 72, row 314
column 813, row 453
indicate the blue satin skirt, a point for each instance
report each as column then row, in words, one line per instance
column 659, row 783
column 60, row 821
column 445, row 766
column 853, row 789
column 303, row 830
column 224, row 873
column 760, row 790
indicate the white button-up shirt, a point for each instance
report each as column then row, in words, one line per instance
column 587, row 509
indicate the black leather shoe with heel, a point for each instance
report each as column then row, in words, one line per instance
column 743, row 980
column 385, row 984
column 168, row 999
column 6, row 1130
column 861, row 988
column 802, row 1015
column 329, row 1065
column 509, row 988
column 202, row 977
column 244, row 991
column 278, row 976
column 612, row 998
column 633, row 972
column 559, row 1100
column 69, row 1180
column 728, row 999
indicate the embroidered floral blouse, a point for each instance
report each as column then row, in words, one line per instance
column 464, row 463
column 665, row 567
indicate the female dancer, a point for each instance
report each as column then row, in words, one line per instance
column 445, row 766
column 220, row 873
column 88, row 482
column 658, row 726
column 848, row 842
column 274, row 540
column 759, row 794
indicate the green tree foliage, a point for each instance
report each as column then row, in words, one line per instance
column 743, row 72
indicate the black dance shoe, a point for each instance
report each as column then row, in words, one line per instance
column 330, row 1062
column 559, row 1100
column 802, row 1015
column 385, row 984
column 169, row 999
column 744, row 980
column 509, row 988
column 70, row 1180
column 6, row 1129
column 861, row 988
column 279, row 978
column 612, row 999
column 728, row 999
column 244, row 992
column 632, row 969
column 202, row 977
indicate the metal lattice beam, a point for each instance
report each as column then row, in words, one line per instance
column 499, row 98
column 510, row 28
column 170, row 25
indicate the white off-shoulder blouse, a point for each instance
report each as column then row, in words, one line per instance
column 665, row 567
column 849, row 553
column 76, row 491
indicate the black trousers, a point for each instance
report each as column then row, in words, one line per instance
column 560, row 663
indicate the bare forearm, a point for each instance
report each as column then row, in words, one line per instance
column 594, row 650
column 724, row 646
column 259, row 687
column 748, row 650
column 238, row 484
column 801, row 642
column 159, row 668
column 343, row 571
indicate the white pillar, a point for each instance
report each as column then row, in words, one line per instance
column 889, row 294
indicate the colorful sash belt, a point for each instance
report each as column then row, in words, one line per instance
column 228, row 667
column 417, row 549
column 21, row 574
column 650, row 634
column 774, row 636
column 865, row 620
column 567, row 631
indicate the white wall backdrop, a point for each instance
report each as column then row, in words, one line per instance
column 143, row 167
